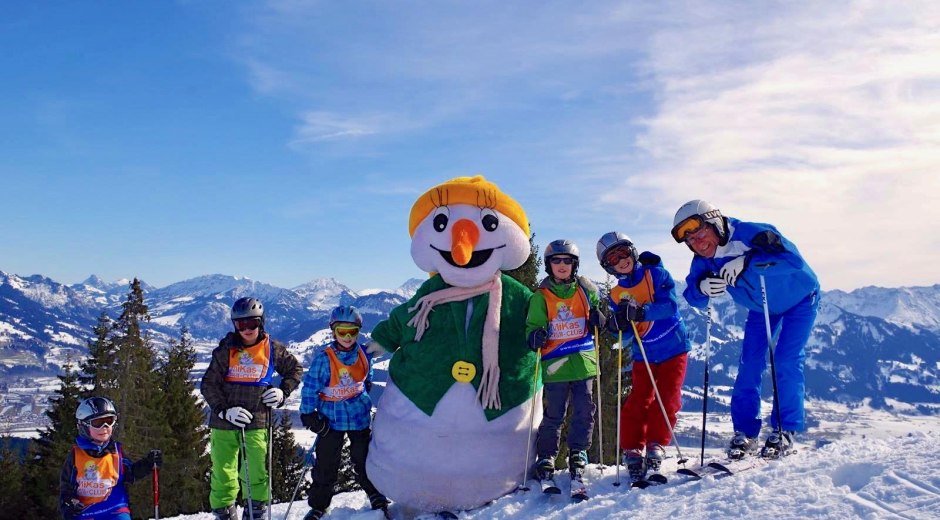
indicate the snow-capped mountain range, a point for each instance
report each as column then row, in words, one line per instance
column 874, row 344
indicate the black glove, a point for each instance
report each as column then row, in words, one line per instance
column 368, row 385
column 596, row 319
column 537, row 339
column 73, row 507
column 634, row 311
column 315, row 422
column 155, row 457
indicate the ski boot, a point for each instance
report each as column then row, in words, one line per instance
column 378, row 502
column 226, row 513
column 314, row 514
column 741, row 445
column 577, row 461
column 655, row 453
column 778, row 444
column 545, row 472
column 259, row 509
column 636, row 465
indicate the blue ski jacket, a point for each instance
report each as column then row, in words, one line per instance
column 663, row 332
column 788, row 277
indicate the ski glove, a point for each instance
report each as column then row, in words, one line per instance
column 237, row 416
column 315, row 422
column 155, row 458
column 596, row 319
column 73, row 508
column 272, row 397
column 631, row 311
column 731, row 270
column 537, row 339
column 375, row 348
column 712, row 287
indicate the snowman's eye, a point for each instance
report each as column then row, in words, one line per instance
column 440, row 222
column 490, row 220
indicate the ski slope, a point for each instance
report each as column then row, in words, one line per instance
column 853, row 477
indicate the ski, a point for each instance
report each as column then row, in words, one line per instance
column 654, row 479
column 578, row 489
column 549, row 487
column 731, row 467
column 447, row 515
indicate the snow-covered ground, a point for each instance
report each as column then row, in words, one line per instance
column 857, row 463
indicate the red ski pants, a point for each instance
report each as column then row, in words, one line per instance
column 641, row 420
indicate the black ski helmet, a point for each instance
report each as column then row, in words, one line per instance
column 248, row 307
column 561, row 247
column 345, row 314
column 93, row 408
column 611, row 240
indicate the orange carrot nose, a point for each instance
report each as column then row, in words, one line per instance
column 464, row 237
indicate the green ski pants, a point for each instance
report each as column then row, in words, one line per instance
column 224, row 452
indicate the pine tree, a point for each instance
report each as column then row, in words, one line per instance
column 528, row 273
column 186, row 461
column 49, row 451
column 12, row 475
column 142, row 425
column 99, row 370
column 287, row 459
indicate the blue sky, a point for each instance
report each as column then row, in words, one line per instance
column 286, row 141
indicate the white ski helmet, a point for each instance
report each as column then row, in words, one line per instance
column 561, row 247
column 93, row 408
column 695, row 213
column 609, row 241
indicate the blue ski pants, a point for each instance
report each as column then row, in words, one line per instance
column 795, row 326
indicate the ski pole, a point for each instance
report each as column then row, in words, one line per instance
column 600, row 408
column 156, row 491
column 270, row 465
column 659, row 399
column 251, row 510
column 770, row 347
column 708, row 352
column 619, row 394
column 528, row 446
column 309, row 459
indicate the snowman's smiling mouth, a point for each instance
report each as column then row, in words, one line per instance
column 477, row 258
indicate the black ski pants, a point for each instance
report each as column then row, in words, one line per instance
column 329, row 449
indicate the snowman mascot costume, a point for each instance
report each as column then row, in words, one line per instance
column 452, row 427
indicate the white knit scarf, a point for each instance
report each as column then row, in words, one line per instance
column 488, row 393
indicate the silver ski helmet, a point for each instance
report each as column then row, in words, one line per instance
column 610, row 241
column 247, row 307
column 91, row 409
column 561, row 247
column 345, row 314
column 693, row 215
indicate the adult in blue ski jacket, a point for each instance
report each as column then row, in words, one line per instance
column 731, row 256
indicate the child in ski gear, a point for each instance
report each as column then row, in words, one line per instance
column 335, row 404
column 96, row 472
column 645, row 298
column 237, row 386
column 733, row 256
column 563, row 314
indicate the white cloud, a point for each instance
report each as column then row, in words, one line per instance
column 823, row 120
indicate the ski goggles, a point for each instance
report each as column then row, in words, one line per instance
column 689, row 226
column 343, row 331
column 100, row 422
column 247, row 323
column 557, row 260
column 615, row 255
